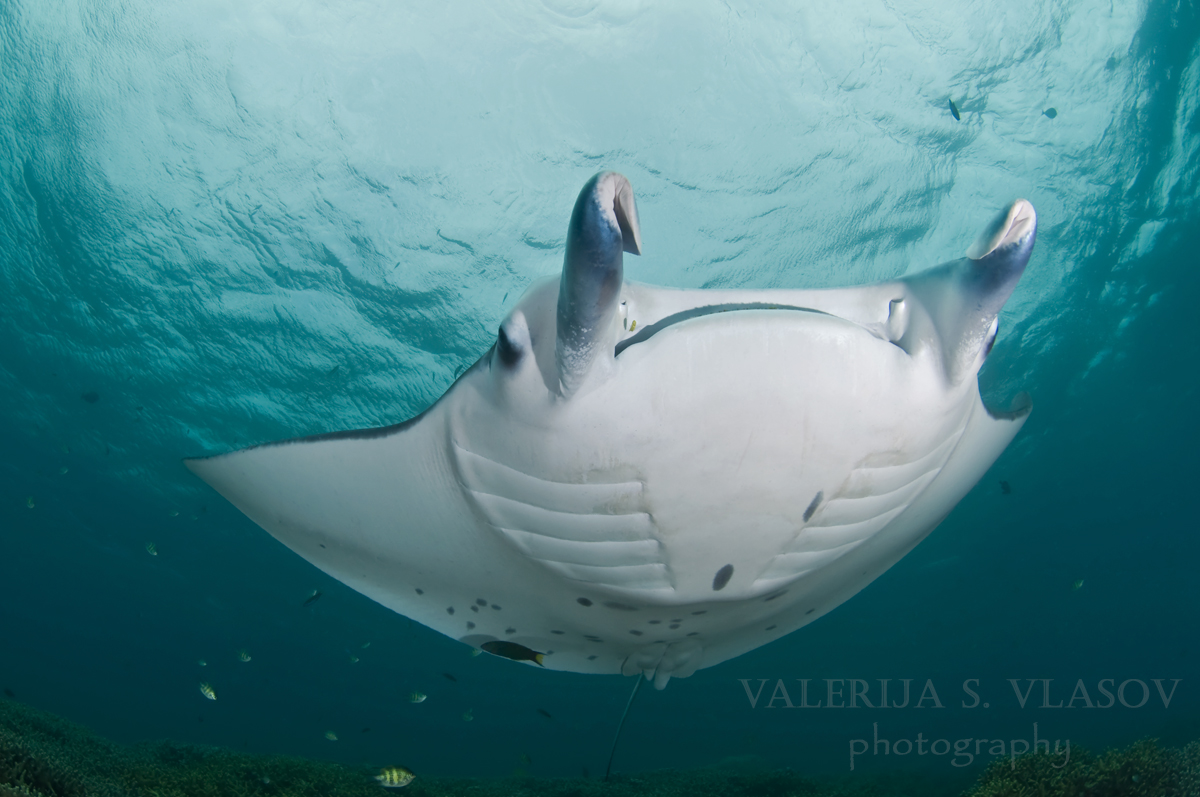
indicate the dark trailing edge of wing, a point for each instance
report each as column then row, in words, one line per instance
column 360, row 434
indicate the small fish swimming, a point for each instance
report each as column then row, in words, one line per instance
column 474, row 652
column 151, row 549
column 208, row 691
column 1006, row 488
column 395, row 777
column 63, row 470
column 1078, row 584
column 449, row 677
column 511, row 650
column 174, row 513
column 417, row 697
column 331, row 736
column 545, row 713
column 1050, row 113
column 353, row 659
column 468, row 716
column 201, row 663
column 312, row 598
column 954, row 111
column 366, row 645
column 243, row 655
column 29, row 502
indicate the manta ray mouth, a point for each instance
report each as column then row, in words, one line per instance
column 650, row 330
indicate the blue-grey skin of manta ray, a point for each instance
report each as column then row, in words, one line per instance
column 636, row 479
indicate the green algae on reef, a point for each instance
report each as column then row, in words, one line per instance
column 42, row 755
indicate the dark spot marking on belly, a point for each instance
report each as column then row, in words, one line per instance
column 694, row 633
column 810, row 611
column 635, row 632
column 470, row 625
column 321, row 544
column 592, row 657
column 494, row 606
column 510, row 630
column 673, row 626
column 420, row 591
column 654, row 622
column 591, row 638
column 449, row 610
column 560, row 633
column 623, row 607
column 771, row 627
column 660, row 642
column 722, row 578
column 475, row 608
column 775, row 595
column 481, row 601
column 702, row 611
column 583, row 601
column 812, row 508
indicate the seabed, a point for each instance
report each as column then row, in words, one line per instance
column 42, row 755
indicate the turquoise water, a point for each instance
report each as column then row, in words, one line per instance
column 224, row 226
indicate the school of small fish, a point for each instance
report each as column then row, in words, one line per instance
column 397, row 777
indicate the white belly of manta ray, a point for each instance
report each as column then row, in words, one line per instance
column 646, row 480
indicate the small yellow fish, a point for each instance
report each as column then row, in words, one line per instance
column 208, row 691
column 202, row 663
column 395, row 777
column 331, row 736
column 151, row 549
column 632, row 325
column 29, row 502
column 243, row 655
column 416, row 697
column 468, row 716
column 1078, row 583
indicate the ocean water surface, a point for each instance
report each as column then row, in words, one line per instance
column 224, row 224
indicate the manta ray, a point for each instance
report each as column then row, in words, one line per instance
column 638, row 479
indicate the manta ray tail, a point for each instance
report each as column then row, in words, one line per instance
column 620, row 725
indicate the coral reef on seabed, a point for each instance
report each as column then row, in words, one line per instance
column 42, row 755
column 1141, row 770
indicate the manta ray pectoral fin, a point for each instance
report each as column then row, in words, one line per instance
column 604, row 225
column 961, row 299
column 987, row 434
